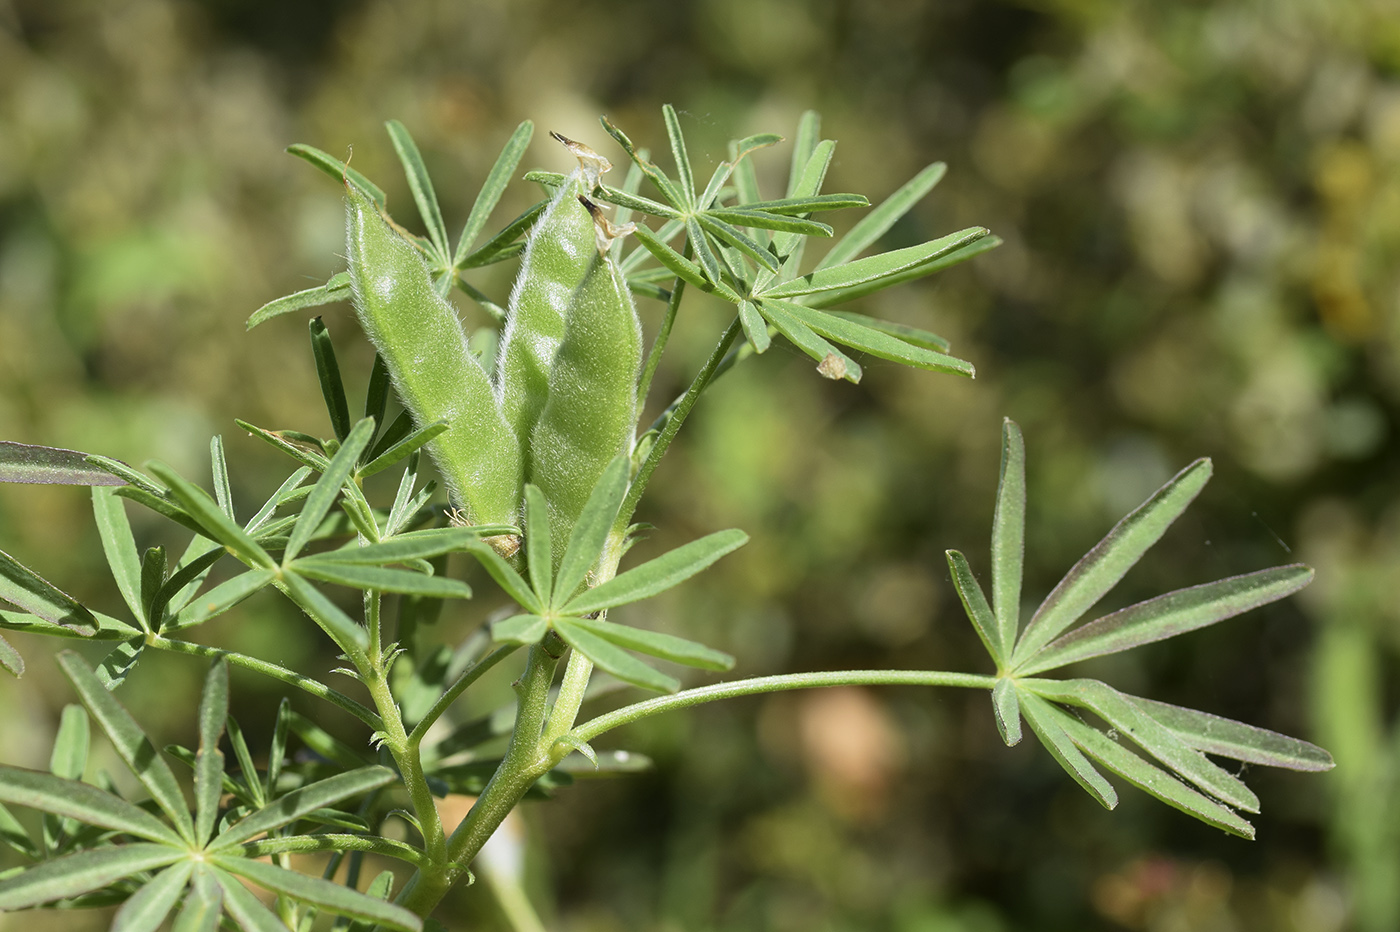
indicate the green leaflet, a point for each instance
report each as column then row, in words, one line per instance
column 1100, row 569
column 21, row 462
column 424, row 346
column 82, row 873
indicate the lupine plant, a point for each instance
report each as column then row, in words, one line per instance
column 531, row 426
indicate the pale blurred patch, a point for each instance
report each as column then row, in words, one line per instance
column 852, row 749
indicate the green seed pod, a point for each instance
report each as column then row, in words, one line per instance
column 557, row 256
column 591, row 412
column 422, row 341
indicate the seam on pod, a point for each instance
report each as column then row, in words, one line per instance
column 557, row 256
column 590, row 415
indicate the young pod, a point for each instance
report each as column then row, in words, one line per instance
column 590, row 415
column 557, row 255
column 422, row 341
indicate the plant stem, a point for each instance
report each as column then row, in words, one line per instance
column 523, row 764
column 659, row 345
column 673, row 424
column 768, row 684
column 472, row 674
column 410, row 764
column 566, row 704
column 375, row 649
column 279, row 673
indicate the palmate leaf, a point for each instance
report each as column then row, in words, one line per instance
column 559, row 602
column 176, row 853
column 750, row 253
column 1178, row 739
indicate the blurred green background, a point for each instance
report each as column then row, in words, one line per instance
column 1201, row 208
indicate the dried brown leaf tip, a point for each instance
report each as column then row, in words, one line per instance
column 590, row 163
column 604, row 230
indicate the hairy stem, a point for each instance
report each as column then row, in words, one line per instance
column 673, row 424
column 444, row 701
column 659, row 345
column 566, row 704
column 410, row 763
column 523, row 764
column 372, row 605
column 769, row 684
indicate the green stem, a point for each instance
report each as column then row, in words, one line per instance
column 522, row 766
column 410, row 764
column 673, row 424
column 662, row 335
column 566, row 704
column 372, row 604
column 768, row 684
column 472, row 674
column 281, row 674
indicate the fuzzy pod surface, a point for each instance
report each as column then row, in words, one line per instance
column 590, row 415
column 424, row 345
column 558, row 253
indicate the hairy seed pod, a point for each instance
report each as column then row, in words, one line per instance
column 556, row 258
column 591, row 412
column 424, row 345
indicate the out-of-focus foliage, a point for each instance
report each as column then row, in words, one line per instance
column 1202, row 257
